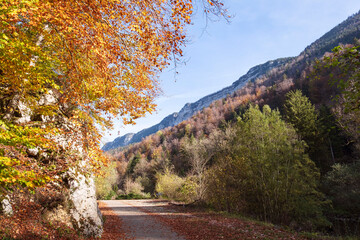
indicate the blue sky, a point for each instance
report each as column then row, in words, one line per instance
column 219, row 53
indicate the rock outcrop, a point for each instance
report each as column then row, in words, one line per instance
column 85, row 213
column 77, row 206
column 6, row 207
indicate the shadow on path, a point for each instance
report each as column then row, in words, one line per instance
column 139, row 224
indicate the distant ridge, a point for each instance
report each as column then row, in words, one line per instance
column 191, row 108
column 344, row 33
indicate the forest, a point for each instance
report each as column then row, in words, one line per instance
column 283, row 149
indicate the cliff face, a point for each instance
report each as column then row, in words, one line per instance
column 191, row 108
column 119, row 142
column 344, row 33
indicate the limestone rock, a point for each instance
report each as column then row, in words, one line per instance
column 6, row 207
column 33, row 152
column 48, row 99
column 79, row 207
column 59, row 214
column 25, row 112
column 85, row 212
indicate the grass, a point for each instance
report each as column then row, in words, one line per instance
column 132, row 196
column 7, row 238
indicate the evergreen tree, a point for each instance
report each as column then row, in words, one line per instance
column 301, row 114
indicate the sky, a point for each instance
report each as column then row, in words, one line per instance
column 219, row 53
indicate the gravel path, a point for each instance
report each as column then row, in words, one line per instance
column 138, row 222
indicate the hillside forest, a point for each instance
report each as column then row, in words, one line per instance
column 283, row 149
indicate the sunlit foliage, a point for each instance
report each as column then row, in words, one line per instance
column 68, row 67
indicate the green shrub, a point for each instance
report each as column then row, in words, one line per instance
column 169, row 185
column 110, row 196
column 189, row 189
column 134, row 196
column 106, row 183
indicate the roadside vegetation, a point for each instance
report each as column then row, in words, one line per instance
column 284, row 149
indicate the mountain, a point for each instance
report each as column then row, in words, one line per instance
column 118, row 142
column 191, row 108
column 230, row 143
column 345, row 32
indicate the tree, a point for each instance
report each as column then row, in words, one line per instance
column 284, row 179
column 199, row 152
column 342, row 66
column 270, row 174
column 105, row 183
column 302, row 115
column 342, row 185
column 346, row 61
column 69, row 66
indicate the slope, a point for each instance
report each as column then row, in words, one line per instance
column 345, row 32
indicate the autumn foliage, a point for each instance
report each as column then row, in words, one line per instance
column 69, row 67
column 288, row 163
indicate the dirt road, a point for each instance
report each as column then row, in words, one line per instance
column 139, row 221
column 156, row 219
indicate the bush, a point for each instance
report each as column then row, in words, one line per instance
column 225, row 188
column 342, row 185
column 189, row 189
column 133, row 187
column 134, row 196
column 169, row 185
column 106, row 183
column 110, row 196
